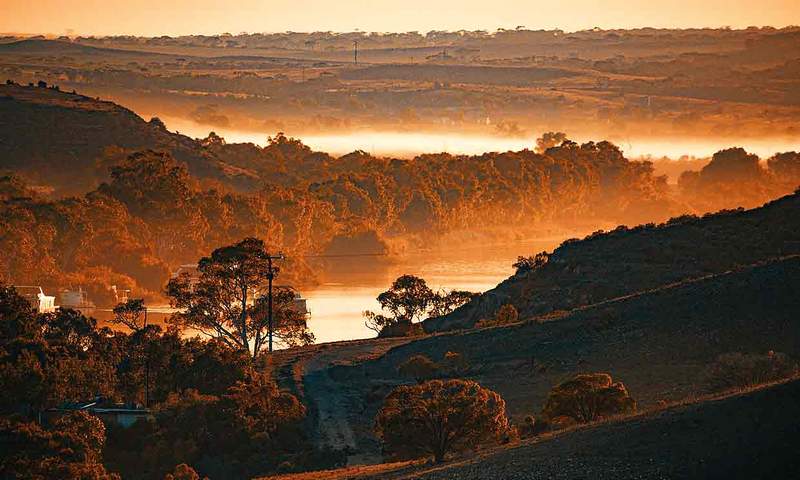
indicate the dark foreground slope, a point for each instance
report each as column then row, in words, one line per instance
column 754, row 435
column 750, row 435
column 609, row 265
column 659, row 343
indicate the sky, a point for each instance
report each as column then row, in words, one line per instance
column 177, row 17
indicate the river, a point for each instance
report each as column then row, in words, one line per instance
column 350, row 285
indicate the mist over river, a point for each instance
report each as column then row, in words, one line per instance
column 411, row 143
column 350, row 285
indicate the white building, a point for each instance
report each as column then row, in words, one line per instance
column 36, row 297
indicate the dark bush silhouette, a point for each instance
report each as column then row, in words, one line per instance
column 183, row 472
column 739, row 370
column 588, row 397
column 419, row 367
column 439, row 417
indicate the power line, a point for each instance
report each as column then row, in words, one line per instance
column 344, row 255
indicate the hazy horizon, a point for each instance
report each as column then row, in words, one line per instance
column 151, row 18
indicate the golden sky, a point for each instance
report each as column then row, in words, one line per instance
column 163, row 17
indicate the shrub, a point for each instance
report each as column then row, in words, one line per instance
column 419, row 367
column 183, row 472
column 588, row 397
column 506, row 314
column 455, row 363
column 738, row 370
column 528, row 264
column 440, row 417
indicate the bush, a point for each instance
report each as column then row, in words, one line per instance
column 588, row 397
column 183, row 472
column 440, row 417
column 524, row 265
column 739, row 370
column 455, row 364
column 505, row 315
column 419, row 367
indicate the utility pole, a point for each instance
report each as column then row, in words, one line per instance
column 355, row 52
column 271, row 272
column 146, row 367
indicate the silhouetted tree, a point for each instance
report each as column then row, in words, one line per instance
column 549, row 140
column 419, row 367
column 408, row 299
column 131, row 314
column 219, row 304
column 440, row 417
column 71, row 450
column 443, row 302
column 588, row 397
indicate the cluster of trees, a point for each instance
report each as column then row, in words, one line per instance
column 152, row 214
column 214, row 407
column 408, row 301
column 154, row 211
column 439, row 417
column 735, row 178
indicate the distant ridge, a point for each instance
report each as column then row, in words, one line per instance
column 59, row 47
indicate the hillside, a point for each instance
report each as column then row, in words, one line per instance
column 608, row 265
column 68, row 141
column 55, row 47
column 659, row 343
column 748, row 435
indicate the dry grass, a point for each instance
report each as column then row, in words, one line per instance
column 423, row 468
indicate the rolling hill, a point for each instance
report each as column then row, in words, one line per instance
column 68, row 141
column 608, row 265
column 660, row 343
column 748, row 435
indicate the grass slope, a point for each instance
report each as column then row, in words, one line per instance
column 659, row 343
column 625, row 261
column 754, row 434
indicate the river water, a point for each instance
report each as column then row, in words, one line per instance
column 351, row 284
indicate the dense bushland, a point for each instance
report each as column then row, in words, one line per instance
column 215, row 407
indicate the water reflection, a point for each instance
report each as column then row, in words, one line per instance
column 351, row 285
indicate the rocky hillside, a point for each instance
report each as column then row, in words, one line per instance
column 608, row 265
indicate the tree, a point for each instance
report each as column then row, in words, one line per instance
column 442, row 302
column 588, row 397
column 440, row 417
column 71, row 449
column 506, row 314
column 419, row 367
column 549, row 140
column 132, row 314
column 183, row 472
column 406, row 300
column 528, row 264
column 289, row 324
column 220, row 303
column 245, row 433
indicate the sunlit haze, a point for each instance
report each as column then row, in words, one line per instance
column 152, row 17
